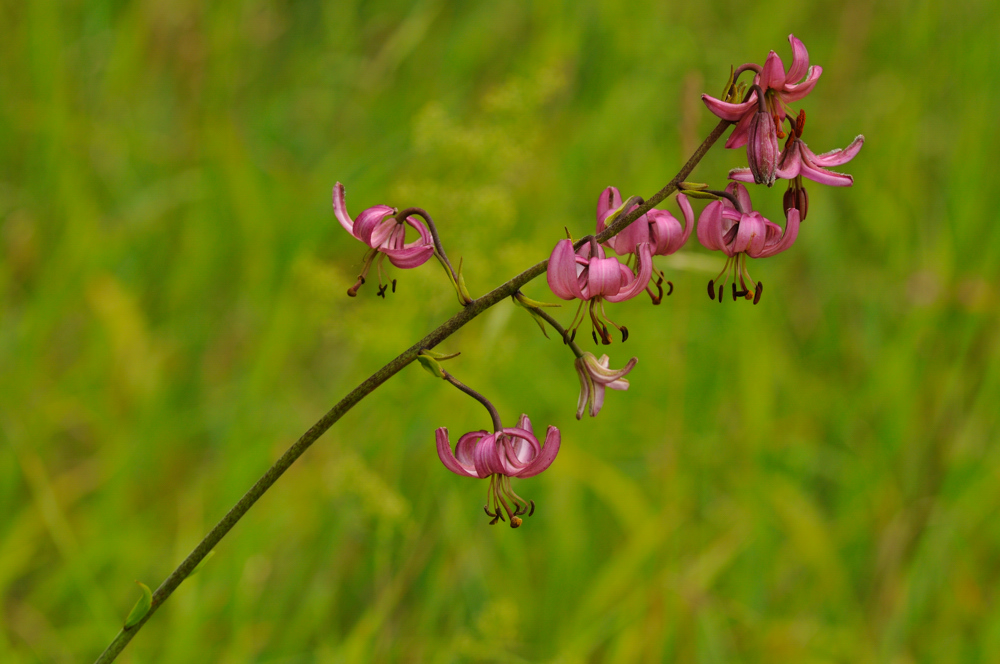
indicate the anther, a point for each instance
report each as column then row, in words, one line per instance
column 382, row 290
column 532, row 511
column 572, row 337
column 734, row 291
column 393, row 285
column 720, row 293
column 711, row 289
column 671, row 291
column 624, row 333
column 593, row 333
column 758, row 291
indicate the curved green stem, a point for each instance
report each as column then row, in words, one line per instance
column 452, row 325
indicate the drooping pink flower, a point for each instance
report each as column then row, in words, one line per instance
column 385, row 236
column 780, row 87
column 762, row 149
column 509, row 452
column 797, row 159
column 657, row 227
column 588, row 274
column 738, row 232
column 596, row 376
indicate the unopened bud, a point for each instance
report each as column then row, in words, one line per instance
column 762, row 148
column 796, row 197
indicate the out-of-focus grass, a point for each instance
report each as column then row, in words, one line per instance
column 810, row 480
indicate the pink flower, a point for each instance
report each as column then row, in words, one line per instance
column 588, row 275
column 738, row 232
column 762, row 148
column 595, row 377
column 385, row 235
column 509, row 452
column 779, row 86
column 797, row 159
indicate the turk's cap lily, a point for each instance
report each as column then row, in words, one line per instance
column 378, row 228
column 780, row 87
column 511, row 451
column 797, row 159
column 587, row 273
column 721, row 227
column 595, row 377
column 665, row 230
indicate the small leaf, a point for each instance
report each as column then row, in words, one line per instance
column 431, row 365
column 197, row 568
column 141, row 607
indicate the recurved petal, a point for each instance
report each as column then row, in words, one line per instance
column 787, row 238
column 448, row 458
column 409, row 257
column 601, row 373
column 486, row 456
column 340, row 208
column 548, row 454
column 826, row 177
column 742, row 175
column 710, row 230
column 644, row 253
column 368, row 225
column 561, row 273
column 796, row 91
column 609, row 200
column 727, row 111
column 524, row 423
column 839, row 157
column 800, row 60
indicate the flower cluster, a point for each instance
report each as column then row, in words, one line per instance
column 616, row 263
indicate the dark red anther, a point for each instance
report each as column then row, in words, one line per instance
column 734, row 291
column 711, row 289
column 624, row 333
column 532, row 511
column 393, row 285
column 671, row 290
column 593, row 333
column 720, row 293
column 758, row 291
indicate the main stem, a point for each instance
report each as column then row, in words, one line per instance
column 451, row 326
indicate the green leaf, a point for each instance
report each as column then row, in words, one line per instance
column 141, row 607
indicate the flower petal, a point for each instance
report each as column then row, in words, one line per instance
column 787, row 238
column 447, row 457
column 799, row 90
column 644, row 253
column 340, row 208
column 742, row 175
column 585, row 388
column 710, row 231
column 548, row 454
column 604, row 278
column 410, row 257
column 561, row 273
column 800, row 60
column 727, row 111
column 773, row 74
column 369, row 220
column 839, row 157
column 609, row 200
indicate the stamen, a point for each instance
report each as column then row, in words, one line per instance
column 393, row 285
column 711, row 289
column 734, row 290
column 531, row 512
column 382, row 290
column 758, row 291
column 515, row 521
column 624, row 331
column 671, row 291
column 593, row 333
column 720, row 293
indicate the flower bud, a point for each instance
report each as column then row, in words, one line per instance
column 762, row 148
column 796, row 197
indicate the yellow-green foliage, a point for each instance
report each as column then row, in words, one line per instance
column 814, row 479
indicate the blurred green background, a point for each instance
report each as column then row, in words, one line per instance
column 815, row 479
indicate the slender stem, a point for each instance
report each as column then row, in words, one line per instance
column 438, row 335
column 725, row 194
column 558, row 328
column 434, row 235
column 494, row 415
